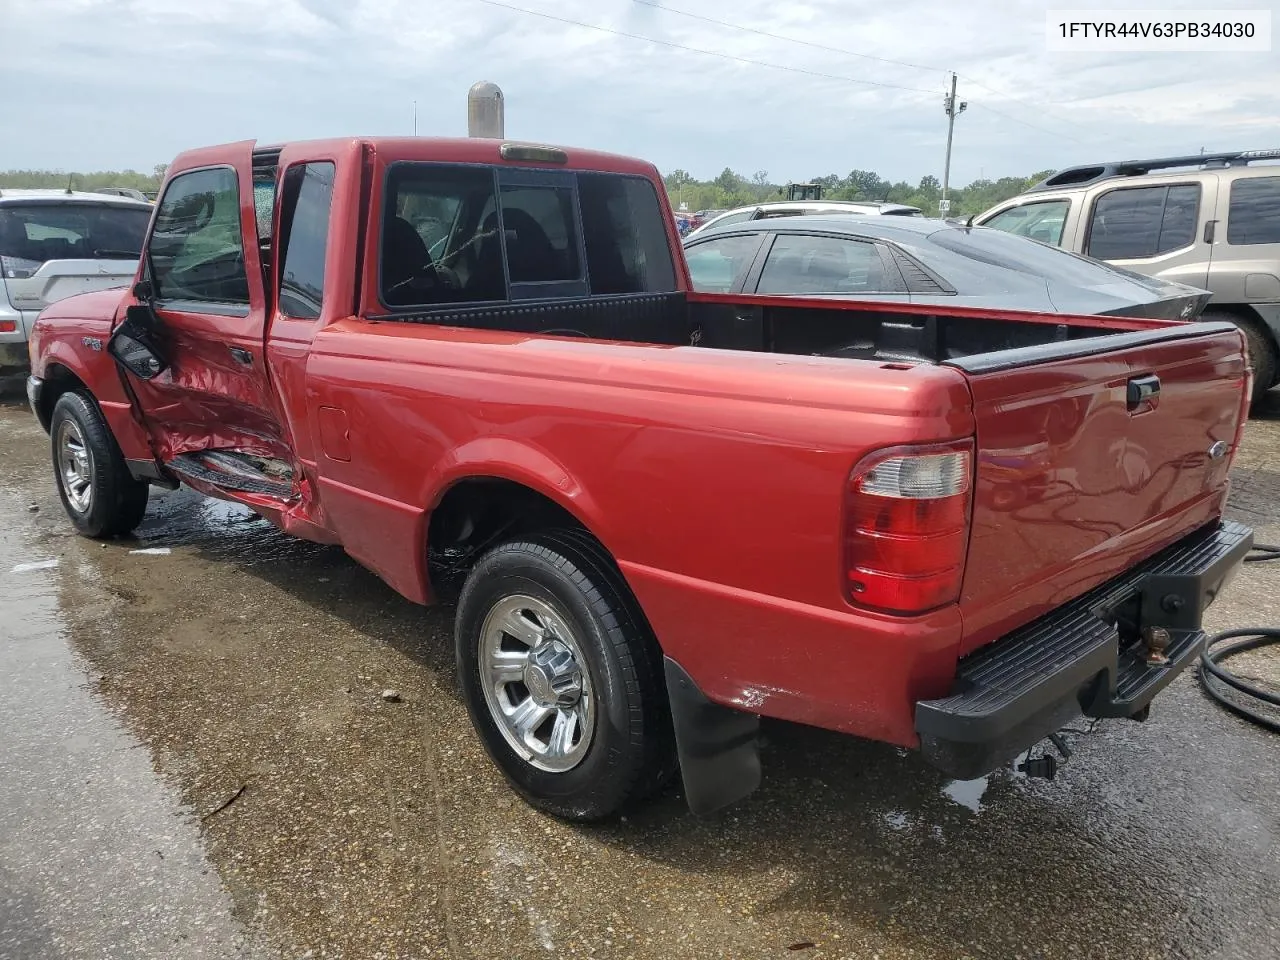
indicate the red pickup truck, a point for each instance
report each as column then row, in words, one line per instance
column 478, row 366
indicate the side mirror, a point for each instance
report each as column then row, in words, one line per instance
column 134, row 344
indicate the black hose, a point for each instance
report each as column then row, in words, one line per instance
column 1262, row 551
column 1246, row 638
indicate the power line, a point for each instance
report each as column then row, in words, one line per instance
column 866, row 56
column 1027, row 103
column 1008, row 116
column 774, row 36
column 698, row 50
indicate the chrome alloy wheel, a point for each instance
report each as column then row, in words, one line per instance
column 75, row 466
column 536, row 684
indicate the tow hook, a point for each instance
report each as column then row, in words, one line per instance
column 1155, row 641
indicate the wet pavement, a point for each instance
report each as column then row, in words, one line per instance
column 196, row 761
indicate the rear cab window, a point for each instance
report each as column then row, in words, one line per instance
column 1253, row 214
column 1131, row 223
column 459, row 234
column 35, row 233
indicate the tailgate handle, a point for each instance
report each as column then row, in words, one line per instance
column 1143, row 390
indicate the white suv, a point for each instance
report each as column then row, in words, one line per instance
column 1209, row 221
column 56, row 243
column 808, row 208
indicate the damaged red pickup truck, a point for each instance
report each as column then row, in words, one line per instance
column 478, row 366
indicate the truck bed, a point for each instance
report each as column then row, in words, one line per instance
column 851, row 329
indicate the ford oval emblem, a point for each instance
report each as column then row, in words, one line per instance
column 1218, row 450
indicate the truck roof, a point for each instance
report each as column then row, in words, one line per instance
column 459, row 150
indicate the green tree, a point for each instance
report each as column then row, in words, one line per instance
column 864, row 185
column 728, row 181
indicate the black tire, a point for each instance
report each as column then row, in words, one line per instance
column 631, row 753
column 115, row 501
column 1262, row 350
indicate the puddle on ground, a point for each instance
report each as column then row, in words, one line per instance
column 967, row 793
column 97, row 857
column 36, row 565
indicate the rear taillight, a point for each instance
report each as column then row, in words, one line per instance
column 907, row 527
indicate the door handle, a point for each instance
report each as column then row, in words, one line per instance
column 1143, row 390
column 242, row 356
column 1210, row 230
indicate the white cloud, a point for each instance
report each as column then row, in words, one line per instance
column 107, row 83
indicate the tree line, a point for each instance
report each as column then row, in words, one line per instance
column 730, row 189
column 60, row 180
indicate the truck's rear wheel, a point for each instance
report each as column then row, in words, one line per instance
column 99, row 494
column 561, row 676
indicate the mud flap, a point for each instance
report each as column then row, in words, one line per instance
column 719, row 757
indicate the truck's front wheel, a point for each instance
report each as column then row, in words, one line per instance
column 99, row 494
column 562, row 677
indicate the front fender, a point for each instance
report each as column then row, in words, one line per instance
column 69, row 352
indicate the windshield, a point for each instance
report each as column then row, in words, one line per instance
column 32, row 234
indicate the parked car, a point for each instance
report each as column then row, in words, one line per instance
column 806, row 208
column 663, row 513
column 702, row 216
column 1211, row 221
column 130, row 192
column 917, row 260
column 54, row 244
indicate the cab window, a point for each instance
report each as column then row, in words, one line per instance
column 625, row 235
column 308, row 199
column 196, row 253
column 440, row 242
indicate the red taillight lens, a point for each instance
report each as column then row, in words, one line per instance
column 907, row 527
column 8, row 326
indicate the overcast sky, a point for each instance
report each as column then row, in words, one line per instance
column 102, row 84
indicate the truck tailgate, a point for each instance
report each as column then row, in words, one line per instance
column 1091, row 456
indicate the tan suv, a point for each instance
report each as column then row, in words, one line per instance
column 1209, row 221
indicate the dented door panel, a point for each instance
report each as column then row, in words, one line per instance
column 208, row 307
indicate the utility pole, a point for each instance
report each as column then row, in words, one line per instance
column 949, row 104
column 415, row 118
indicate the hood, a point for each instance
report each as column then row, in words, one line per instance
column 99, row 305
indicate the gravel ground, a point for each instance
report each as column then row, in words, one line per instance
column 196, row 761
